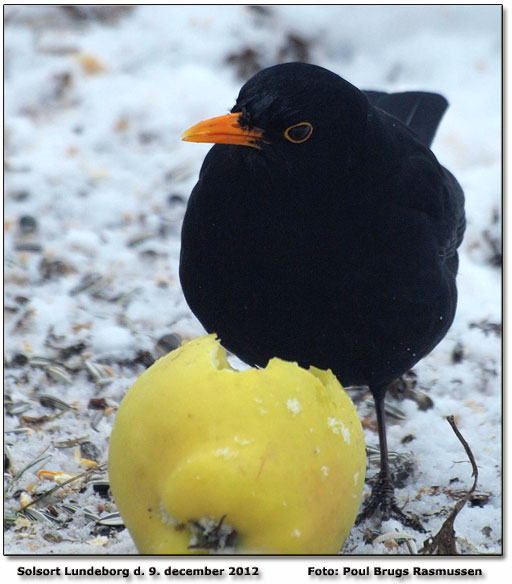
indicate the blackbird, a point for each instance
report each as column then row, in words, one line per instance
column 323, row 230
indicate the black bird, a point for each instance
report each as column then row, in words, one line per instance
column 323, row 230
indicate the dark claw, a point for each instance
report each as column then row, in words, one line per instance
column 383, row 498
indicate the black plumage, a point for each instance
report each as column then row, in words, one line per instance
column 325, row 232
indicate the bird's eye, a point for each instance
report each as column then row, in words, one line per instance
column 298, row 133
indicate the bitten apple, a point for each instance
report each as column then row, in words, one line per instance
column 264, row 461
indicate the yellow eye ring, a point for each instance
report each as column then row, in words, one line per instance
column 299, row 132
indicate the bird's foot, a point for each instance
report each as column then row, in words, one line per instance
column 383, row 498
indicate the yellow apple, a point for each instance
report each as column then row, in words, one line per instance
column 262, row 461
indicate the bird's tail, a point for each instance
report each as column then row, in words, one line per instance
column 420, row 111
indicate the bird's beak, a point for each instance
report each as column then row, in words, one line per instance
column 224, row 130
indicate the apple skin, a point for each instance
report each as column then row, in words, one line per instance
column 275, row 454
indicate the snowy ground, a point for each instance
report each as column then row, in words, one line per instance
column 95, row 186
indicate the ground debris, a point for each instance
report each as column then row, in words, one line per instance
column 444, row 542
column 487, row 327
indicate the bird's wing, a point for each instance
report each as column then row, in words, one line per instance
column 457, row 198
column 423, row 186
column 420, row 111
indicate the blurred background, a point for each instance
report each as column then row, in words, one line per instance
column 96, row 184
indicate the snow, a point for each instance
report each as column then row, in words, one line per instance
column 294, row 406
column 112, row 338
column 96, row 99
column 338, row 427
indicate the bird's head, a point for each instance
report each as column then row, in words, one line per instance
column 290, row 106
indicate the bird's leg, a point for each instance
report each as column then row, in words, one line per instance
column 382, row 496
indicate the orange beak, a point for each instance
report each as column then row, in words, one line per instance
column 224, row 130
